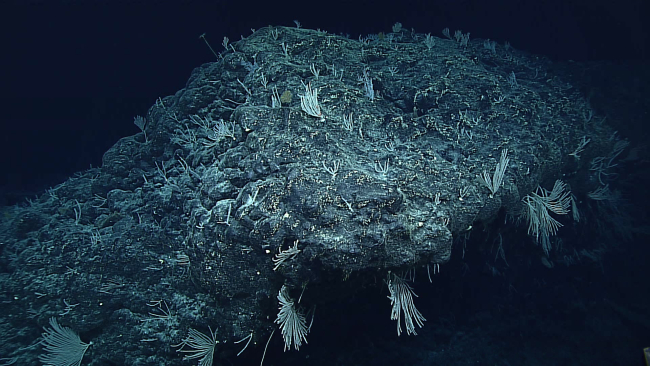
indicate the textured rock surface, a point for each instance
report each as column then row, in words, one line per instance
column 179, row 229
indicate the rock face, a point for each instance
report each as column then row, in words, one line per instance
column 244, row 182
